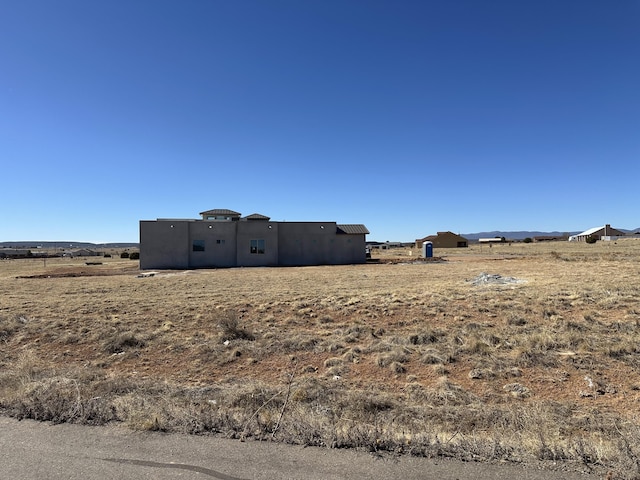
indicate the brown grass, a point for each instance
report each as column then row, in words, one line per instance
column 409, row 357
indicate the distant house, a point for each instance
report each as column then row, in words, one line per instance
column 386, row 245
column 444, row 240
column 14, row 253
column 492, row 240
column 80, row 252
column 550, row 238
column 600, row 233
column 223, row 238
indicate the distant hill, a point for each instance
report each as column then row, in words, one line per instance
column 520, row 235
column 67, row 245
column 510, row 235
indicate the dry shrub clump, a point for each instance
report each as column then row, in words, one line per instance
column 231, row 329
column 420, row 358
column 9, row 326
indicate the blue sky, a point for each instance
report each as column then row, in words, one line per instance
column 408, row 116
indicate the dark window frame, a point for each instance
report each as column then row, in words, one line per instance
column 198, row 246
column 257, row 246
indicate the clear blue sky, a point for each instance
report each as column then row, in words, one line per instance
column 408, row 116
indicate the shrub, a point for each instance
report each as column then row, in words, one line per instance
column 134, row 256
column 124, row 255
column 122, row 342
column 10, row 326
column 386, row 359
column 229, row 325
column 528, row 240
column 591, row 239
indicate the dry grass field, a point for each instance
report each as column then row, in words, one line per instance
column 536, row 361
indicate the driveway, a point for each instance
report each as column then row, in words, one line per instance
column 31, row 450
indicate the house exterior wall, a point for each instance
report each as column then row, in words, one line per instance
column 164, row 244
column 257, row 230
column 349, row 249
column 307, row 243
column 183, row 244
column 317, row 243
column 449, row 240
column 444, row 240
column 219, row 243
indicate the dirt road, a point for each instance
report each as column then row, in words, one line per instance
column 32, row 450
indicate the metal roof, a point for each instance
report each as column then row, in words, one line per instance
column 590, row 231
column 429, row 238
column 353, row 229
column 221, row 211
column 607, row 230
column 257, row 216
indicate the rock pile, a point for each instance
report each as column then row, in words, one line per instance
column 494, row 279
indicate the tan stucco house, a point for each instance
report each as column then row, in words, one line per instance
column 444, row 240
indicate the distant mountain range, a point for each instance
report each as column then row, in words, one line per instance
column 66, row 245
column 520, row 235
column 511, row 235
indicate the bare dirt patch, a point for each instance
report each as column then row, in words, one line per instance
column 90, row 270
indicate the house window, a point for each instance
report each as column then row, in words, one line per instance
column 198, row 245
column 257, row 246
column 220, row 241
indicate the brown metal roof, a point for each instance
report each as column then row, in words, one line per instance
column 356, row 229
column 221, row 211
column 257, row 216
column 430, row 238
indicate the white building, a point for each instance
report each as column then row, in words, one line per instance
column 600, row 233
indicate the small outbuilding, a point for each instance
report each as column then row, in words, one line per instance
column 444, row 240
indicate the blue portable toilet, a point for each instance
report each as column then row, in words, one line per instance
column 427, row 249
